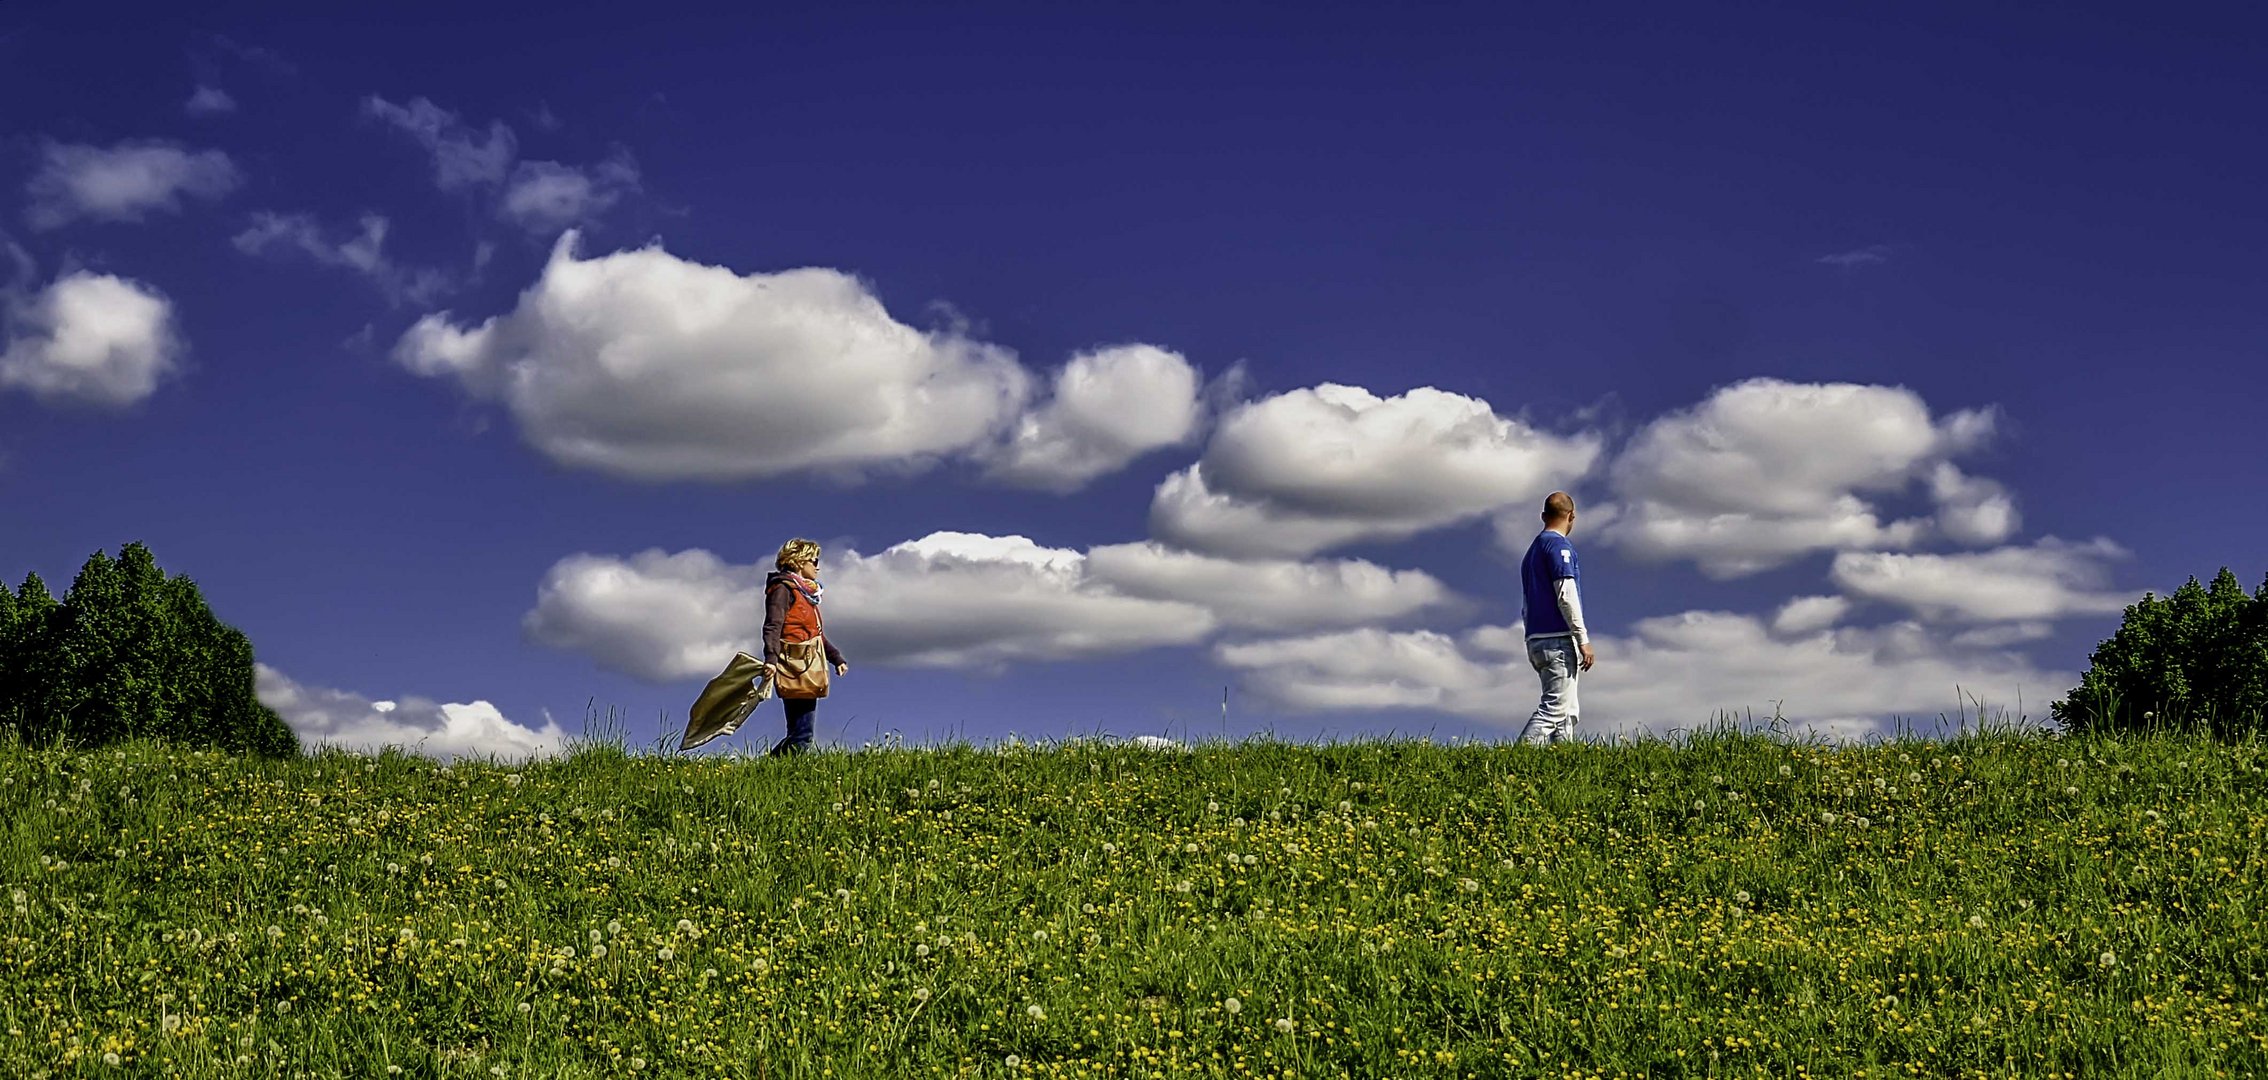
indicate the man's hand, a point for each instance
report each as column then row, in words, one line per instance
column 842, row 669
column 1588, row 659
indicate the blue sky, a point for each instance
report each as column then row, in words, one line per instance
column 1121, row 355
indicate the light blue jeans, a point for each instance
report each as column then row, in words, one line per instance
column 1559, row 664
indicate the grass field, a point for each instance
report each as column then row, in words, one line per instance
column 2008, row 906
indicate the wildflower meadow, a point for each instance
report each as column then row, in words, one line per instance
column 1731, row 905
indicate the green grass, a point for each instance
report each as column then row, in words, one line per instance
column 1995, row 906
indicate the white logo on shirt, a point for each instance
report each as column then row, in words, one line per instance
column 1566, row 555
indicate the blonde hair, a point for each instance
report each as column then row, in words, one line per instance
column 796, row 552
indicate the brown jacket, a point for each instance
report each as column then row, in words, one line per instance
column 789, row 618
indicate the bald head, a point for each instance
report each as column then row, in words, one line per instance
column 1558, row 510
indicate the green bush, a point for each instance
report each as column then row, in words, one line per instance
column 2198, row 658
column 129, row 653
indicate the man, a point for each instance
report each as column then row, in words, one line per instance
column 1559, row 645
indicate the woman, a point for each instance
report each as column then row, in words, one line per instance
column 796, row 649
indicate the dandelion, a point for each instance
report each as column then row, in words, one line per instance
column 110, row 1058
column 921, row 993
column 1182, row 887
column 1285, row 1026
column 1189, row 848
column 1232, row 1006
column 684, row 926
column 1827, row 816
column 2072, row 792
column 391, row 1070
column 1252, row 860
column 1035, row 1012
column 1913, row 778
column 1346, row 807
column 666, row 954
column 1976, row 922
column 1740, row 897
column 636, row 1063
column 1786, row 771
column 759, row 966
column 1468, row 884
column 170, row 1023
column 1039, row 935
column 2108, row 959
column 1014, row 1062
column 843, row 895
column 1109, row 848
column 614, row 927
column 598, row 952
column 921, row 951
column 526, row 1008
column 1212, row 808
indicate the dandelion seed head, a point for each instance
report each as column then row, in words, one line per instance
column 1232, row 1006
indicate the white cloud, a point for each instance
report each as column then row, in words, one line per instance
column 1274, row 595
column 324, row 717
column 89, row 339
column 1810, row 614
column 644, row 365
column 462, row 156
column 1109, row 407
column 1765, row 471
column 1972, row 510
column 957, row 600
column 2051, row 579
column 1870, row 255
column 1674, row 672
column 1317, row 468
column 962, row 600
column 126, row 182
column 209, row 101
column 364, row 253
column 946, row 600
column 546, row 196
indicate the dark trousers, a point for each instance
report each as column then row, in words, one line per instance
column 799, row 726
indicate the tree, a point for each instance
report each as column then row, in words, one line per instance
column 24, row 618
column 130, row 653
column 2198, row 658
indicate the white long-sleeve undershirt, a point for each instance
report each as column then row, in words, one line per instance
column 1571, row 608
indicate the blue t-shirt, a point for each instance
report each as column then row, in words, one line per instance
column 1550, row 558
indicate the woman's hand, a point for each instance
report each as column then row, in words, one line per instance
column 842, row 669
